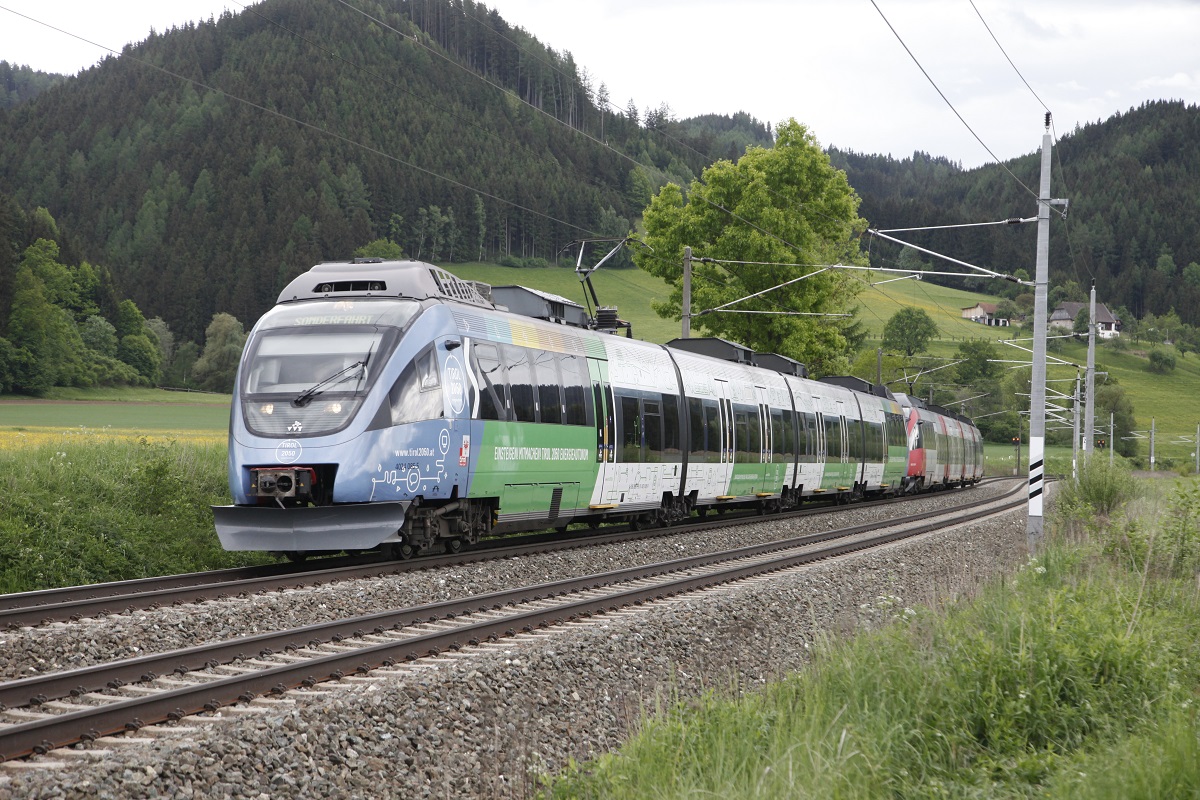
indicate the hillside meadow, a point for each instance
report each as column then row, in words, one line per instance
column 631, row 290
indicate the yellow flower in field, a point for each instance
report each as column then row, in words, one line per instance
column 29, row 438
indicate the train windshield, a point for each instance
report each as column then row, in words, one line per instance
column 307, row 363
column 308, row 367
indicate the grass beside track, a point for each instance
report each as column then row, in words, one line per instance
column 88, row 506
column 1076, row 677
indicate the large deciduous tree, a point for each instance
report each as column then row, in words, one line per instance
column 216, row 368
column 781, row 213
column 979, row 362
column 909, row 330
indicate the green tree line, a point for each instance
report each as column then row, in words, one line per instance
column 360, row 130
column 63, row 322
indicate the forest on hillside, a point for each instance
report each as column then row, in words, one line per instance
column 208, row 165
column 195, row 174
column 1133, row 184
column 20, row 83
column 69, row 325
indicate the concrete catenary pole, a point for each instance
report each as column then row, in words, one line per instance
column 687, row 293
column 1152, row 444
column 1034, row 528
column 1089, row 414
column 1075, row 433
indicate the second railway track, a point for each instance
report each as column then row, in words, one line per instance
column 77, row 602
column 53, row 710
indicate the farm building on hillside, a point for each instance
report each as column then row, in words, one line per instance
column 984, row 314
column 1107, row 325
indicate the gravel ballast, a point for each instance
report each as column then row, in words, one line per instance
column 483, row 722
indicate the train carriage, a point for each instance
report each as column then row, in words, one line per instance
column 944, row 448
column 391, row 404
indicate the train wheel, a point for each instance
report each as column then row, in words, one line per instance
column 403, row 551
column 454, row 545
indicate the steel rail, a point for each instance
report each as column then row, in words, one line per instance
column 89, row 723
column 74, row 603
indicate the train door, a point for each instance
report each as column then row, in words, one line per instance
column 727, row 452
column 849, row 460
column 821, row 453
column 809, row 461
column 839, row 472
column 772, row 475
column 603, row 497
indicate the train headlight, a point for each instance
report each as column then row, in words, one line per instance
column 333, row 408
column 267, row 408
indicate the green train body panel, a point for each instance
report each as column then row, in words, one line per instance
column 896, row 466
column 523, row 463
column 838, row 475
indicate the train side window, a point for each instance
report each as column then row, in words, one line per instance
column 833, row 437
column 696, row 447
column 895, row 430
column 550, row 402
column 712, row 424
column 575, row 390
column 741, row 427
column 631, row 429
column 417, row 395
column 799, row 433
column 520, row 383
column 672, row 448
column 807, row 441
column 754, row 427
column 876, row 447
column 489, row 374
column 854, row 447
column 782, row 437
column 652, row 430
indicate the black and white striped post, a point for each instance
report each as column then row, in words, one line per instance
column 1035, row 530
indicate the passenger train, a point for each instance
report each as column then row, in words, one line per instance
column 393, row 405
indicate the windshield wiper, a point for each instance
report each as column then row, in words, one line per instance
column 305, row 397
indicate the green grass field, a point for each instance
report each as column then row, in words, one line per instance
column 631, row 290
column 943, row 304
column 161, row 413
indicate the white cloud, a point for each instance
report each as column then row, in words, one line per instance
column 1178, row 80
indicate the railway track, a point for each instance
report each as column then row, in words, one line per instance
column 50, row 711
column 29, row 609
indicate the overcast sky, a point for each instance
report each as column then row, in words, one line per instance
column 832, row 64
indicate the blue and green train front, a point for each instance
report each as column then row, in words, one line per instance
column 350, row 410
